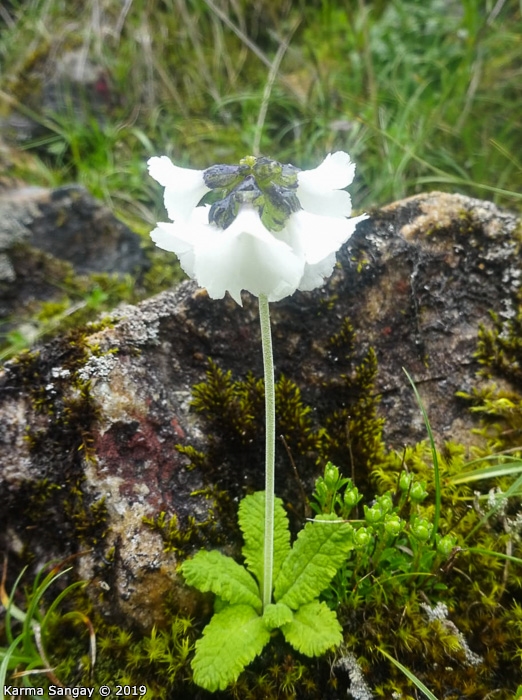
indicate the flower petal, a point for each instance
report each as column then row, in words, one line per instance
column 316, row 237
column 247, row 256
column 336, row 203
column 335, row 173
column 185, row 237
column 320, row 191
column 184, row 187
column 315, row 275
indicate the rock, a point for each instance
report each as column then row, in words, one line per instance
column 40, row 229
column 91, row 423
column 70, row 224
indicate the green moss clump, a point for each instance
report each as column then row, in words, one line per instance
column 159, row 660
column 84, row 650
column 499, row 400
column 194, row 533
column 350, row 436
column 232, row 406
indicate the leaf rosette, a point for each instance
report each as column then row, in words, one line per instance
column 239, row 631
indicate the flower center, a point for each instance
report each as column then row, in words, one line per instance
column 270, row 187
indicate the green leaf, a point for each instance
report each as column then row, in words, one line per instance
column 252, row 524
column 319, row 551
column 213, row 571
column 276, row 615
column 314, row 629
column 231, row 640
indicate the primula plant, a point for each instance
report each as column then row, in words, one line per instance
column 242, row 625
column 269, row 229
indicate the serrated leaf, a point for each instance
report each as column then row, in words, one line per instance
column 319, row 550
column 276, row 615
column 213, row 571
column 314, row 629
column 252, row 524
column 231, row 640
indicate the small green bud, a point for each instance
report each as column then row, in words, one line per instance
column 362, row 537
column 446, row 544
column 331, row 476
column 392, row 525
column 405, row 480
column 421, row 529
column 418, row 491
column 385, row 502
column 249, row 161
column 351, row 496
column 374, row 515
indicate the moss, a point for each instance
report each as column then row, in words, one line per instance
column 63, row 397
column 198, row 459
column 498, row 398
column 158, row 661
column 351, row 436
column 471, row 649
column 175, row 538
column 50, row 298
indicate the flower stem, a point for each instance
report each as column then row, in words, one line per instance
column 268, row 364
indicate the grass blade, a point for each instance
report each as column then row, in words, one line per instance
column 420, row 685
column 491, row 472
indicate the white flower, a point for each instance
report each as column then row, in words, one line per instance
column 243, row 256
column 246, row 255
column 320, row 191
column 184, row 188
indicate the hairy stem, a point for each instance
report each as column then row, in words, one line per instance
column 268, row 364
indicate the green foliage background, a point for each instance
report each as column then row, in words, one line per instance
column 422, row 95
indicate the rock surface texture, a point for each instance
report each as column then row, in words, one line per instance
column 91, row 424
column 46, row 234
